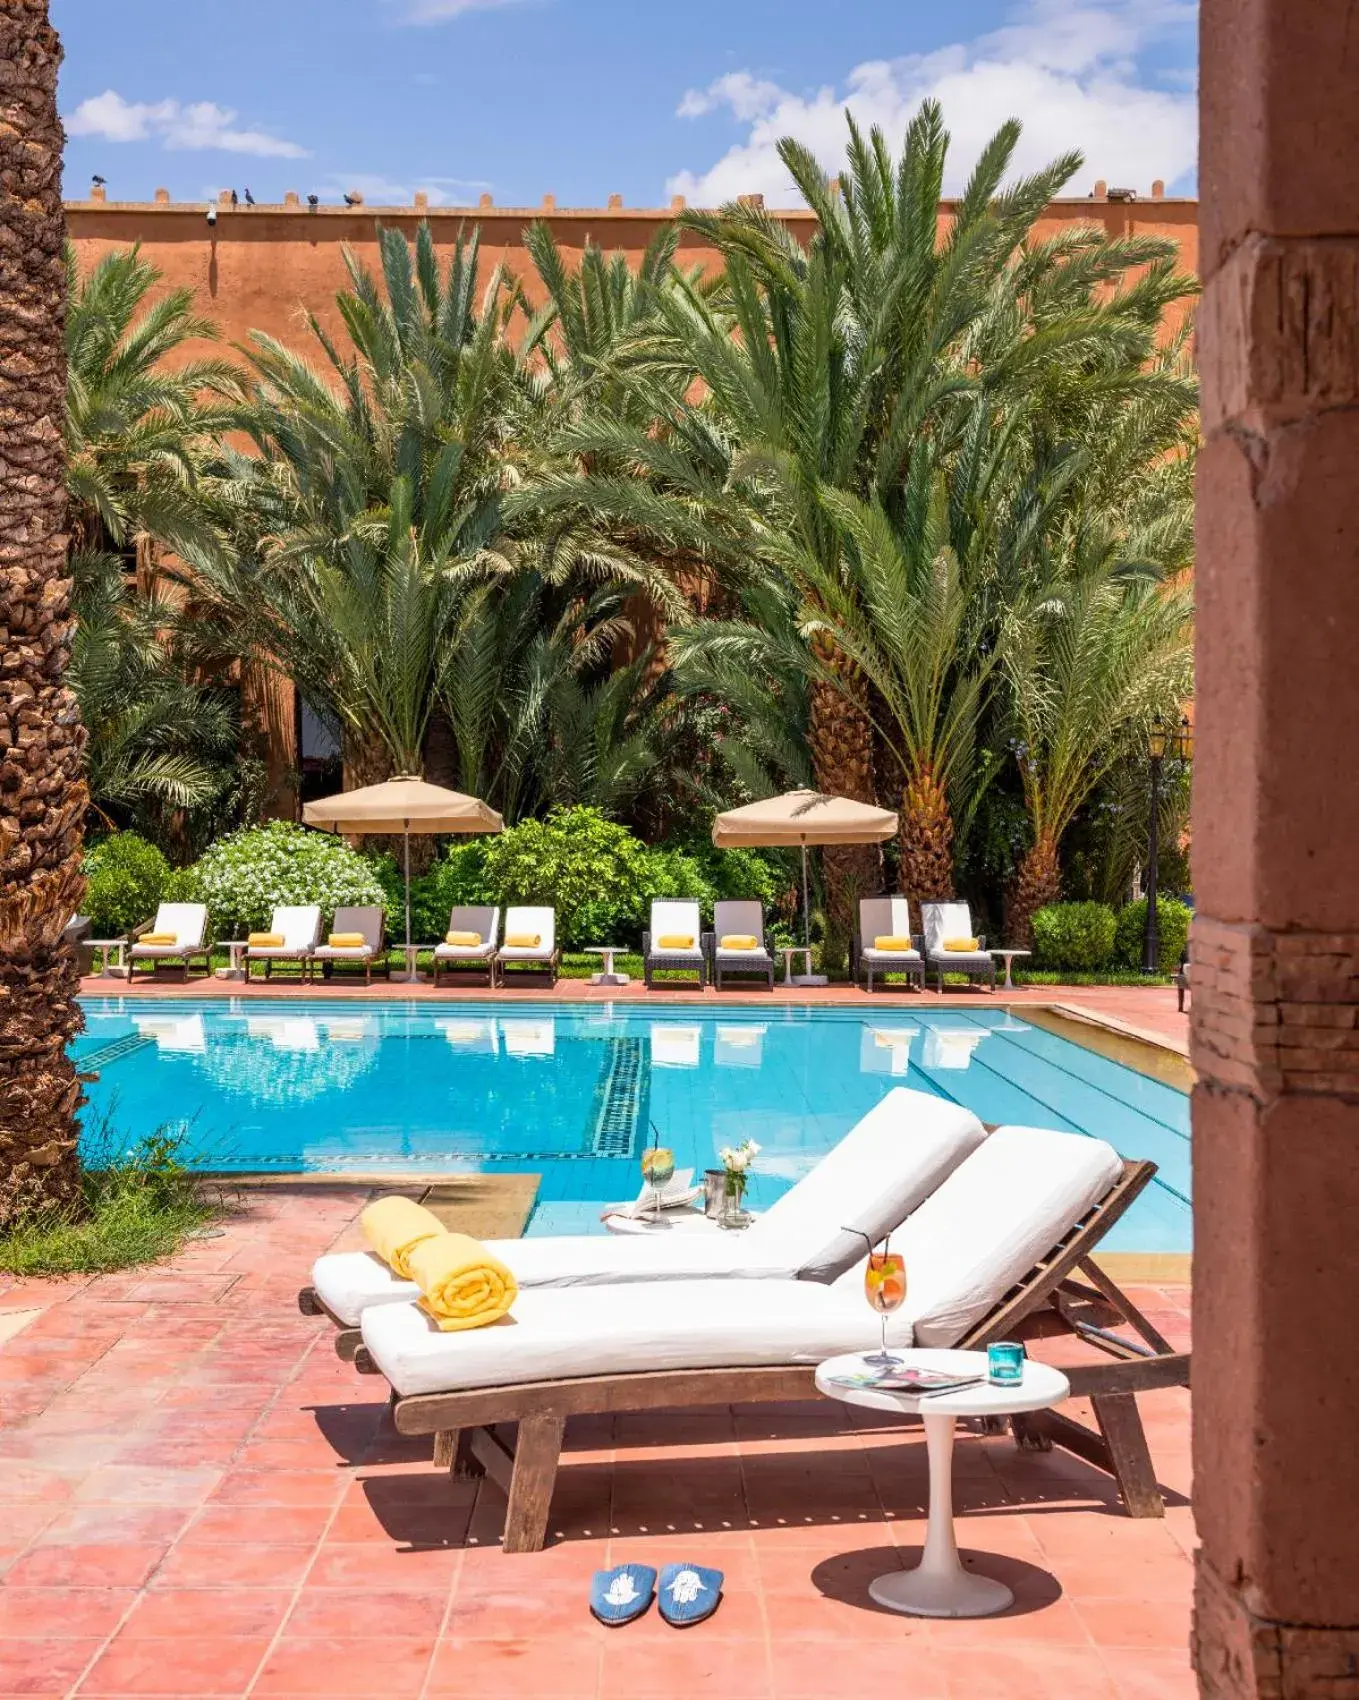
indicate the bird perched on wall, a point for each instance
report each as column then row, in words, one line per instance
column 97, row 180
column 235, row 199
column 249, row 198
column 351, row 200
column 313, row 201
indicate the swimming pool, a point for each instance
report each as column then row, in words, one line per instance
column 570, row 1091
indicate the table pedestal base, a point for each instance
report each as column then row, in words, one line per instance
column 610, row 979
column 951, row 1593
column 939, row 1586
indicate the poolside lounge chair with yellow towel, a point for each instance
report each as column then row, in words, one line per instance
column 737, row 942
column 997, row 1243
column 674, row 940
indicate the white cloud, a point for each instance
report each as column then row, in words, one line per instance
column 1068, row 69
column 439, row 11
column 177, row 125
column 380, row 191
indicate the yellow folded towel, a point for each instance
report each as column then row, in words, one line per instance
column 962, row 944
column 738, row 941
column 159, row 938
column 394, row 1227
column 890, row 941
column 676, row 941
column 461, row 1284
column 266, row 941
column 347, row 941
column 472, row 940
column 523, row 941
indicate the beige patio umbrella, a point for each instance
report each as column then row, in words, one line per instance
column 403, row 805
column 802, row 818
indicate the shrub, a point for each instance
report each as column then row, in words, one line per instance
column 137, row 1205
column 1172, row 929
column 1074, row 935
column 243, row 876
column 590, row 869
column 126, row 878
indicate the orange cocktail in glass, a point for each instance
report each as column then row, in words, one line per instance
column 885, row 1290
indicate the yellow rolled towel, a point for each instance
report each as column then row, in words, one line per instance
column 469, row 940
column 266, row 941
column 523, row 941
column 890, row 941
column 159, row 938
column 676, row 941
column 394, row 1227
column 461, row 1284
column 738, row 941
column 972, row 945
column 347, row 941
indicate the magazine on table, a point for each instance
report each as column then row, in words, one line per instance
column 904, row 1378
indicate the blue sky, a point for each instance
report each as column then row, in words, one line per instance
column 586, row 98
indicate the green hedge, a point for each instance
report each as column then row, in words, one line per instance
column 597, row 875
column 244, row 876
column 1074, row 935
column 1172, row 928
column 126, row 877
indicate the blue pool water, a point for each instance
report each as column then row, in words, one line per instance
column 570, row 1091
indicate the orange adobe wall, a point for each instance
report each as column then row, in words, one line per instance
column 263, row 267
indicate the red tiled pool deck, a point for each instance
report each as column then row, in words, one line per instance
column 197, row 1498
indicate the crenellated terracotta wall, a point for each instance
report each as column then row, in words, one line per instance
column 263, row 268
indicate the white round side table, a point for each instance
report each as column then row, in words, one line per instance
column 939, row 1586
column 1008, row 956
column 608, row 976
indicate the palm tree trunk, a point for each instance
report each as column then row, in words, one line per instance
column 1039, row 883
column 42, row 795
column 925, row 840
column 840, row 738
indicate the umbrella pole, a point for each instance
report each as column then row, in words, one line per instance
column 407, row 836
column 806, row 907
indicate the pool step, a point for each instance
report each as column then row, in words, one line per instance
column 116, row 1049
column 618, row 1110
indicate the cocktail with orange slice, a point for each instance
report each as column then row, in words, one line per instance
column 885, row 1290
column 658, row 1167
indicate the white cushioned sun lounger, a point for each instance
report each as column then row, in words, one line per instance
column 890, row 1161
column 299, row 924
column 480, row 918
column 189, row 924
column 1007, row 1204
column 521, row 922
column 885, row 917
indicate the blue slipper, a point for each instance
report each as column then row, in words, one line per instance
column 623, row 1593
column 688, row 1593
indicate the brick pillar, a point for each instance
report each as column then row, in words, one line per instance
column 1276, row 856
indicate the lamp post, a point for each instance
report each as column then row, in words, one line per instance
column 1164, row 740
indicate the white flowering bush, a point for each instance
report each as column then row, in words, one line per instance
column 243, row 876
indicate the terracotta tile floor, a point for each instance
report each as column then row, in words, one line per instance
column 198, row 1499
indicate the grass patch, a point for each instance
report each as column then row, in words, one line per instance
column 1070, row 977
column 137, row 1206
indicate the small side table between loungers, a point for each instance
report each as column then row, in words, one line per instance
column 607, row 975
column 1007, row 957
column 119, row 969
column 939, row 1586
column 235, row 968
column 806, row 978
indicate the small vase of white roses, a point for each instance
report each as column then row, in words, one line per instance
column 736, row 1161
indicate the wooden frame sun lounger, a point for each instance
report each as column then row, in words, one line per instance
column 1050, row 1299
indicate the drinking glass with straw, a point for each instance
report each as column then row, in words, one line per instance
column 658, row 1166
column 885, row 1290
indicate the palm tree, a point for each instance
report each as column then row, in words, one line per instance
column 42, row 795
column 141, row 425
column 1090, row 668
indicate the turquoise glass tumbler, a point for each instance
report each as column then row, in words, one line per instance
column 1005, row 1363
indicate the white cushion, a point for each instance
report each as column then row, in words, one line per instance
column 348, row 1282
column 884, row 917
column 677, row 916
column 945, row 921
column 300, row 925
column 885, row 1165
column 166, row 949
column 891, row 1159
column 542, row 921
column 187, row 921
column 343, row 952
column 1001, row 1210
column 871, row 953
column 614, row 1330
column 469, row 952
